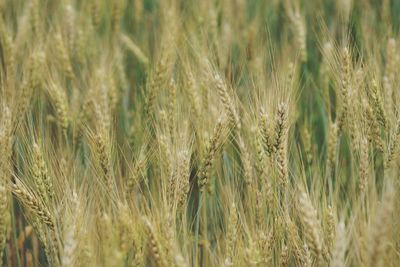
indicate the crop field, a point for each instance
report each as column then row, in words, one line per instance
column 226, row 133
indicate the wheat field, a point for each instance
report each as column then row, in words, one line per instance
column 199, row 133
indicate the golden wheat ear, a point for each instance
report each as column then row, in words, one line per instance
column 312, row 228
column 213, row 145
column 32, row 202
